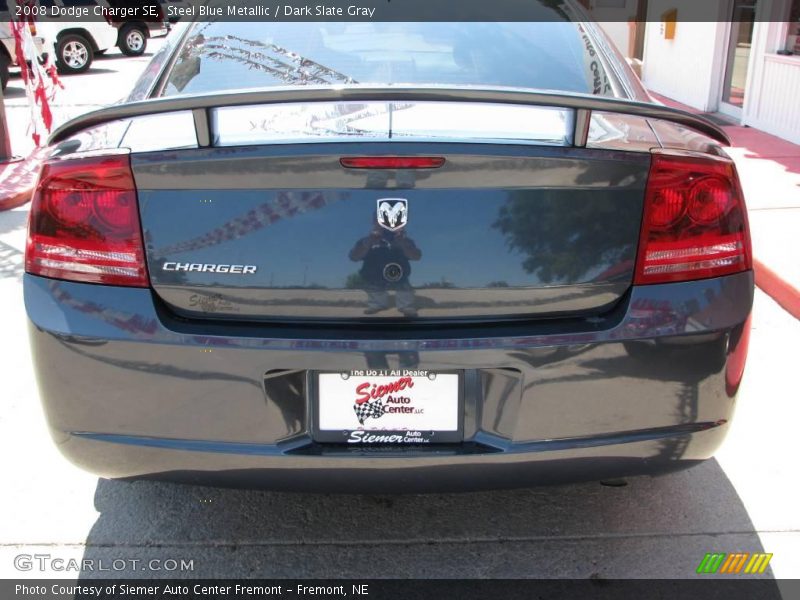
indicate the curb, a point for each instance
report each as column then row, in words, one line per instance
column 9, row 202
column 786, row 295
column 17, row 180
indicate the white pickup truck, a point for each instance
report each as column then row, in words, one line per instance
column 8, row 55
column 75, row 44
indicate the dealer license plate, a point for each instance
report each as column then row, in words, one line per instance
column 400, row 406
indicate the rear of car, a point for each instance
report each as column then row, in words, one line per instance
column 397, row 260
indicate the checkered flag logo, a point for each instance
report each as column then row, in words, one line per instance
column 374, row 409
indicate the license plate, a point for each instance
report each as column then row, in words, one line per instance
column 388, row 407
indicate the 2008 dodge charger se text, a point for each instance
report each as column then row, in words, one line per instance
column 388, row 256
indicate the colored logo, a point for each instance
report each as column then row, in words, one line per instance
column 370, row 399
column 740, row 563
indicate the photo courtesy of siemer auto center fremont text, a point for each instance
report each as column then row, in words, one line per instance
column 383, row 299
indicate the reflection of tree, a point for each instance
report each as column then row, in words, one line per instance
column 565, row 237
column 355, row 281
column 285, row 205
column 436, row 285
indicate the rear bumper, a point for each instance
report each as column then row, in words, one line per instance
column 129, row 391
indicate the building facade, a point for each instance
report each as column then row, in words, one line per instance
column 744, row 64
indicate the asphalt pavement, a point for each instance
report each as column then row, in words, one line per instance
column 744, row 500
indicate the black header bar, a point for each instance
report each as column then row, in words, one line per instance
column 375, row 10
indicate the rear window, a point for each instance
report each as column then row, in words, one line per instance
column 543, row 55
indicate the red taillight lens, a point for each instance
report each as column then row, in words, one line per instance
column 695, row 220
column 84, row 223
column 392, row 162
column 709, row 199
column 667, row 207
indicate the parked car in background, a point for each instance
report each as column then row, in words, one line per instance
column 8, row 53
column 134, row 33
column 74, row 44
column 389, row 256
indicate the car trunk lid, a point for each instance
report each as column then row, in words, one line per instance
column 286, row 232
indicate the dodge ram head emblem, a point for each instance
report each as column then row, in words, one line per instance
column 392, row 213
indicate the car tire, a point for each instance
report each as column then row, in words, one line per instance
column 74, row 54
column 4, row 74
column 132, row 40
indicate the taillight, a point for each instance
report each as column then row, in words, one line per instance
column 84, row 223
column 695, row 221
column 392, row 162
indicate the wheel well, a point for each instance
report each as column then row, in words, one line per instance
column 81, row 32
column 139, row 25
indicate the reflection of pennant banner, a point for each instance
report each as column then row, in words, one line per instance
column 285, row 65
column 287, row 204
column 132, row 323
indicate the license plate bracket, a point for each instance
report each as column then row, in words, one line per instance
column 387, row 407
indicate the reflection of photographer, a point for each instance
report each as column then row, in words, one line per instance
column 386, row 255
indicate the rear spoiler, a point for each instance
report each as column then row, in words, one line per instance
column 201, row 106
